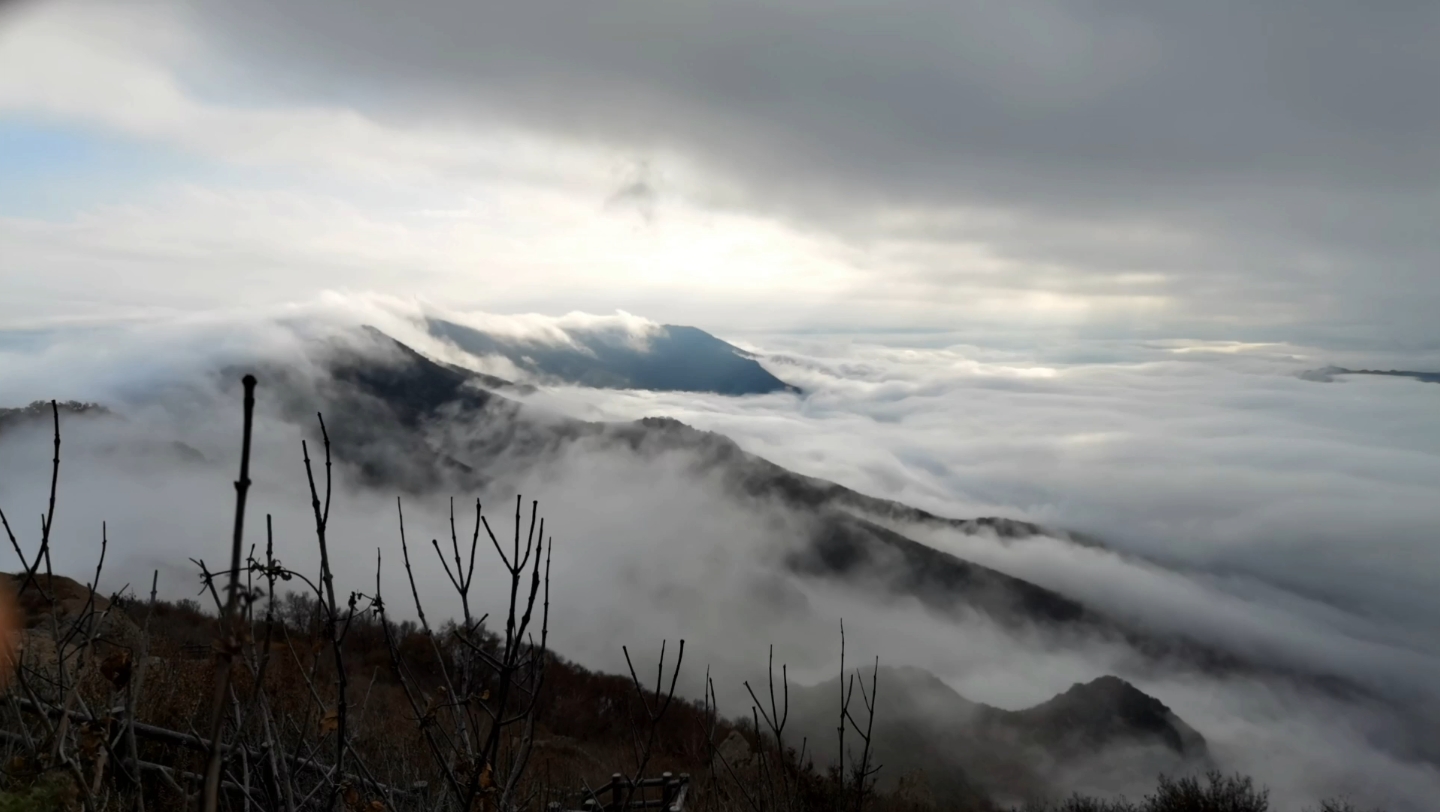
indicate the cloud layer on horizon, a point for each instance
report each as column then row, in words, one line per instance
column 1222, row 461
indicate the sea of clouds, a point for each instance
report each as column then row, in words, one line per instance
column 1285, row 520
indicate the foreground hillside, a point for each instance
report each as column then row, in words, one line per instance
column 153, row 663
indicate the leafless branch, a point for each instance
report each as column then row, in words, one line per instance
column 229, row 643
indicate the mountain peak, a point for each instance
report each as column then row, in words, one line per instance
column 1108, row 710
column 975, row 749
column 667, row 358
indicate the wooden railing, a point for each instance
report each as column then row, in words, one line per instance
column 624, row 794
column 194, row 743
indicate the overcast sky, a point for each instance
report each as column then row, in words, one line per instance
column 1220, row 170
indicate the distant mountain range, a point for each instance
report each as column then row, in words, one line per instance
column 1328, row 374
column 408, row 423
column 381, row 391
column 40, row 410
column 404, row 422
column 667, row 358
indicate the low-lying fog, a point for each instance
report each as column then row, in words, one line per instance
column 1287, row 520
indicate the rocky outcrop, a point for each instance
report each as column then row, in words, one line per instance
column 55, row 603
column 733, row 753
column 1103, row 713
column 58, row 618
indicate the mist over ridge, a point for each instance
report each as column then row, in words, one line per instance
column 662, row 358
column 930, row 560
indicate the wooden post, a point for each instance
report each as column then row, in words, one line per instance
column 617, row 796
column 667, row 791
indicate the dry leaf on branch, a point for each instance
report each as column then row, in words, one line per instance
column 116, row 668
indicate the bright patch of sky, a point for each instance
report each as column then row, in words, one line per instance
column 56, row 170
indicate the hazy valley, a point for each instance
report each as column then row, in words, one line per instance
column 667, row 531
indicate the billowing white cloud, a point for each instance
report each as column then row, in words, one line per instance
column 1207, row 469
column 1284, row 516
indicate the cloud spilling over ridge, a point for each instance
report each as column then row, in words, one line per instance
column 98, row 361
column 644, row 552
column 1182, row 453
column 1218, row 459
column 534, row 328
column 1238, row 501
column 1203, row 468
column 1241, row 504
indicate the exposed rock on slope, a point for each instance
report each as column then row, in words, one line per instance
column 69, row 605
column 59, row 616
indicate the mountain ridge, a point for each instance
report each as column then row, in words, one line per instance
column 1328, row 374
column 846, row 540
column 969, row 750
column 403, row 421
column 669, row 358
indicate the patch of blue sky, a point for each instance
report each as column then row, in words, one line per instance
column 52, row 170
column 35, row 340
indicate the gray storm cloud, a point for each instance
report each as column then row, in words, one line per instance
column 1270, row 165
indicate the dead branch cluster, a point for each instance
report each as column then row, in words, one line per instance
column 290, row 695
